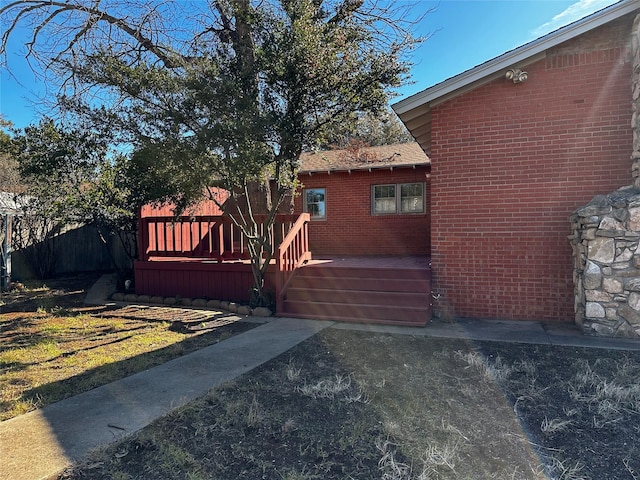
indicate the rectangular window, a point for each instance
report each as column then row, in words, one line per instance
column 412, row 198
column 315, row 203
column 400, row 198
column 384, row 199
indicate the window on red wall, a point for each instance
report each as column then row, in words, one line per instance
column 411, row 197
column 314, row 200
column 384, row 199
column 401, row 198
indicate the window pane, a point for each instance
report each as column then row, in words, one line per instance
column 384, row 199
column 411, row 198
column 315, row 202
column 385, row 205
column 411, row 190
column 413, row 204
column 385, row 191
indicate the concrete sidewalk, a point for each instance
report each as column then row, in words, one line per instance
column 558, row 334
column 40, row 444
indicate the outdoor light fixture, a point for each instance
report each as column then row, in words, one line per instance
column 516, row 75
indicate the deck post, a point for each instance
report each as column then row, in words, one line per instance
column 143, row 237
column 292, row 253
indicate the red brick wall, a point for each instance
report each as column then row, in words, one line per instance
column 351, row 229
column 510, row 162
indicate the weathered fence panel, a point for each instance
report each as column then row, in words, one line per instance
column 74, row 251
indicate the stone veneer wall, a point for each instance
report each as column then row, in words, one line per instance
column 635, row 101
column 606, row 242
column 606, row 250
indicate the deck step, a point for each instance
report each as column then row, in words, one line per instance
column 365, row 272
column 399, row 315
column 373, row 284
column 369, row 321
column 359, row 297
column 367, row 295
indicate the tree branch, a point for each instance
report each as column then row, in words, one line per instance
column 170, row 58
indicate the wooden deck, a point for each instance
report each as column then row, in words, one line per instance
column 205, row 257
column 405, row 262
column 197, row 278
column 389, row 290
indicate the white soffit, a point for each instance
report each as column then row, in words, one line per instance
column 521, row 56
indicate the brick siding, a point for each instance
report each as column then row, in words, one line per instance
column 351, row 229
column 510, row 162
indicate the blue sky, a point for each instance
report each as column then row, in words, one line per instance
column 465, row 33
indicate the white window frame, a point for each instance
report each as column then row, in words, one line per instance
column 305, row 205
column 398, row 199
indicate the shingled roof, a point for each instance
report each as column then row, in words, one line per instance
column 365, row 158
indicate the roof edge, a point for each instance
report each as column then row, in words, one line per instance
column 364, row 168
column 517, row 55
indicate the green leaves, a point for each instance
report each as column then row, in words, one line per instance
column 225, row 93
column 71, row 178
column 247, row 85
column 46, row 150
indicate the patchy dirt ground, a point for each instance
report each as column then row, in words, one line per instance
column 358, row 405
column 580, row 407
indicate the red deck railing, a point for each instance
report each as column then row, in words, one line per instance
column 292, row 253
column 215, row 237
column 203, row 237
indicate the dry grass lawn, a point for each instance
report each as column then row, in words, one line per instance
column 341, row 405
column 359, row 405
column 53, row 347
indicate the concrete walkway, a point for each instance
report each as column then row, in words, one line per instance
column 558, row 334
column 40, row 444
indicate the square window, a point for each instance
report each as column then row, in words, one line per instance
column 315, row 203
column 412, row 198
column 384, row 199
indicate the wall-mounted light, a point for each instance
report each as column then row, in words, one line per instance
column 516, row 75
